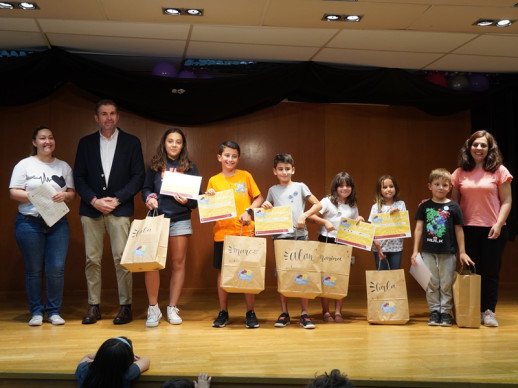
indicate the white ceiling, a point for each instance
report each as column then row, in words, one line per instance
column 407, row 34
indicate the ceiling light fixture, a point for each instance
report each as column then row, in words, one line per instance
column 352, row 18
column 28, row 6
column 484, row 22
column 333, row 17
column 171, row 11
column 194, row 12
column 182, row 11
column 504, row 23
column 493, row 22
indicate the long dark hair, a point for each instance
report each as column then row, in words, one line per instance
column 159, row 160
column 111, row 362
column 494, row 156
column 339, row 180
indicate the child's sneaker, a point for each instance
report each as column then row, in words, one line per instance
column 445, row 319
column 306, row 322
column 488, row 319
column 435, row 319
column 251, row 320
column 172, row 315
column 36, row 320
column 283, row 320
column 221, row 320
column 153, row 315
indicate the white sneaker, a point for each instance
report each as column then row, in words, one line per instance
column 153, row 316
column 172, row 315
column 36, row 320
column 489, row 319
column 56, row 320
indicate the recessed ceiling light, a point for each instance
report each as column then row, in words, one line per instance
column 352, row 18
column 493, row 22
column 28, row 6
column 171, row 11
column 331, row 17
column 182, row 11
column 484, row 22
column 504, row 23
column 6, row 5
column 194, row 12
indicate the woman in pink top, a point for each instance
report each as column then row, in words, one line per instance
column 482, row 187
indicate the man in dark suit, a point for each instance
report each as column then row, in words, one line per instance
column 108, row 172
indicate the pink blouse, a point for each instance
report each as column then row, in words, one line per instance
column 478, row 194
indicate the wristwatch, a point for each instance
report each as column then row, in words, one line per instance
column 250, row 211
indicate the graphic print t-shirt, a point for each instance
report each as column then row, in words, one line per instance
column 439, row 226
column 30, row 173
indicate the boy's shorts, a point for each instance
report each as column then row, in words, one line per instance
column 180, row 228
column 217, row 259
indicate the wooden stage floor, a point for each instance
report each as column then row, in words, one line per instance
column 411, row 355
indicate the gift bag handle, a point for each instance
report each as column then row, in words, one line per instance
column 468, row 267
column 153, row 214
column 249, row 231
column 379, row 264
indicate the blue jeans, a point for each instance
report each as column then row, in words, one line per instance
column 44, row 250
column 393, row 259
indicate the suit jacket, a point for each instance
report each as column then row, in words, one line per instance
column 126, row 176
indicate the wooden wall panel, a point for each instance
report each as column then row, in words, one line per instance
column 324, row 139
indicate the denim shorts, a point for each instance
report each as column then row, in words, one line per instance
column 180, row 228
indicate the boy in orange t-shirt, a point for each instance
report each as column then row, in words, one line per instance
column 247, row 196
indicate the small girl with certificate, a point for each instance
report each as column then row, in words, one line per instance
column 387, row 201
column 340, row 203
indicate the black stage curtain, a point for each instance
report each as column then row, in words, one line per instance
column 198, row 101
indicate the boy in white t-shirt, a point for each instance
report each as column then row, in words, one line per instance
column 294, row 194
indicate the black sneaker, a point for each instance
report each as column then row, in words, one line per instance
column 251, row 320
column 221, row 320
column 445, row 319
column 435, row 319
column 306, row 322
column 283, row 320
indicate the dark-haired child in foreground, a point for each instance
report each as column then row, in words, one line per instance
column 113, row 366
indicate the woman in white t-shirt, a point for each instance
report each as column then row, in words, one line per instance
column 44, row 248
column 482, row 187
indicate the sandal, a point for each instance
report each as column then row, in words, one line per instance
column 328, row 318
column 338, row 318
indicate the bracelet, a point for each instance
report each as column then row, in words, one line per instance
column 152, row 195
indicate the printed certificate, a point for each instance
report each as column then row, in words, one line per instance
column 420, row 272
column 50, row 211
column 396, row 225
column 276, row 220
column 186, row 185
column 217, row 207
column 358, row 236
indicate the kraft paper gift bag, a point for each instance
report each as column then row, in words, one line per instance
column 387, row 300
column 298, row 268
column 146, row 248
column 335, row 267
column 244, row 262
column 466, row 298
